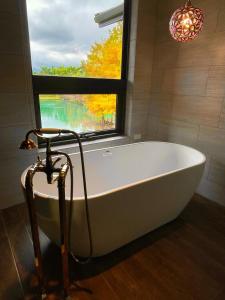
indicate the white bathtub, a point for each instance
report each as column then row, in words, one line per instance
column 132, row 189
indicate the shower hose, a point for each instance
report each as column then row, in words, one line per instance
column 88, row 259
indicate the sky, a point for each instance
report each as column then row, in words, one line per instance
column 62, row 31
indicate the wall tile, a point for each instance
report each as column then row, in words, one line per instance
column 162, row 30
column 166, row 54
column 10, row 6
column 217, row 171
column 166, row 8
column 216, row 79
column 212, row 191
column 194, row 54
column 140, row 106
column 222, row 121
column 211, row 140
column 178, row 132
column 14, row 167
column 143, row 67
column 220, row 25
column 147, row 9
column 10, row 183
column 207, row 165
column 11, row 103
column 11, row 35
column 153, row 123
column 157, row 78
column 139, row 123
column 142, row 86
column 210, row 9
column 217, row 53
column 222, row 117
column 197, row 110
column 185, row 81
column 11, row 138
column 146, row 23
column 161, row 105
column 12, row 74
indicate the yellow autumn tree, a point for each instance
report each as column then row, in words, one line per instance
column 104, row 61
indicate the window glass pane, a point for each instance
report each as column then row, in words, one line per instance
column 76, row 38
column 81, row 113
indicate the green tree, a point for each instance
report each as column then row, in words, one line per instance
column 69, row 71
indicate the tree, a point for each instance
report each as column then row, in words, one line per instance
column 103, row 106
column 104, row 61
column 69, row 71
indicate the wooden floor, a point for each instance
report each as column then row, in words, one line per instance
column 182, row 260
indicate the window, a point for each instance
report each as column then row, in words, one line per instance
column 79, row 52
column 84, row 112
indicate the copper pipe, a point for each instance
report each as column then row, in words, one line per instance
column 49, row 169
column 63, row 228
column 34, row 225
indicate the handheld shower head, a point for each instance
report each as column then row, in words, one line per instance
column 28, row 144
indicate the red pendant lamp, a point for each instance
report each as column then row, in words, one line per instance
column 186, row 23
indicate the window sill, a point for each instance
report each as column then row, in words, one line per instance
column 91, row 145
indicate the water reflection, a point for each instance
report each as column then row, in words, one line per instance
column 71, row 113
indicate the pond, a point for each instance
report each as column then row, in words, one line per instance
column 71, row 114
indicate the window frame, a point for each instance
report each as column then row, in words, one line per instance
column 77, row 85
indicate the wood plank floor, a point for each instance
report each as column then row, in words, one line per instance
column 182, row 260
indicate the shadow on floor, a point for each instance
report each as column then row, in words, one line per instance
column 52, row 259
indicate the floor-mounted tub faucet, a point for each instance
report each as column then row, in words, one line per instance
column 53, row 174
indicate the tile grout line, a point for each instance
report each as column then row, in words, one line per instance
column 12, row 252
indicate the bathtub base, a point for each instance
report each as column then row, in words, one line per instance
column 123, row 217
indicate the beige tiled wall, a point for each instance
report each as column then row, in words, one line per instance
column 140, row 67
column 187, row 103
column 16, row 104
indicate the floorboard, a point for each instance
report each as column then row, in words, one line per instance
column 10, row 285
column 184, row 259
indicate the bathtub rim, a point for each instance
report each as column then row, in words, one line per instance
column 93, row 196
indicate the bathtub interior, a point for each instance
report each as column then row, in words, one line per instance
column 112, row 168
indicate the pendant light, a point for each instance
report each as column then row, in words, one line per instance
column 186, row 22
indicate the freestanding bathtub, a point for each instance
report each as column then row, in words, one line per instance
column 132, row 189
